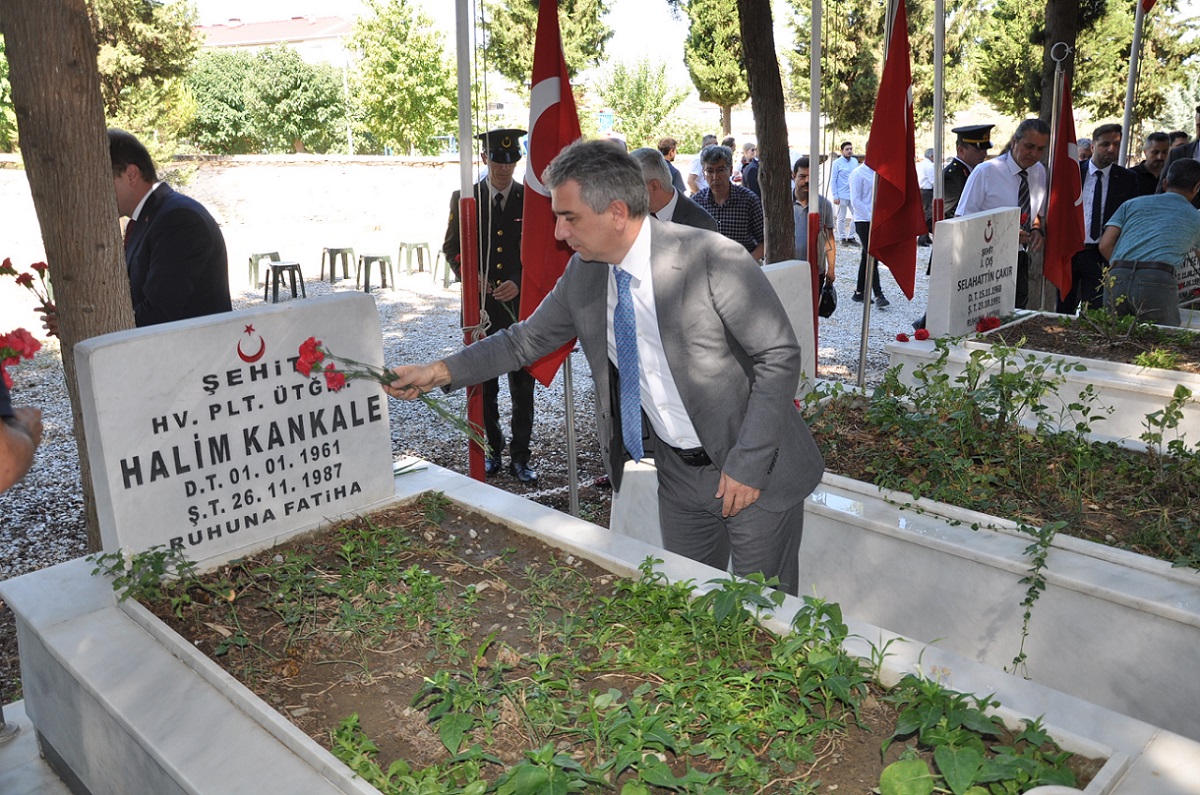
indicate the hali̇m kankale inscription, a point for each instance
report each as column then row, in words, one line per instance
column 202, row 435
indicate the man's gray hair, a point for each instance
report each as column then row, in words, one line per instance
column 1029, row 126
column 929, row 155
column 708, row 140
column 604, row 174
column 717, row 154
column 654, row 166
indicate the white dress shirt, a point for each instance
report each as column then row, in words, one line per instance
column 994, row 184
column 1089, row 196
column 667, row 211
column 660, row 396
column 862, row 192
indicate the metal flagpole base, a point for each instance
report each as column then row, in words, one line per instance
column 8, row 731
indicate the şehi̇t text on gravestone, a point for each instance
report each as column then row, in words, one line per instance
column 202, row 435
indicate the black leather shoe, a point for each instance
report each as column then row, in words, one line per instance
column 491, row 465
column 522, row 472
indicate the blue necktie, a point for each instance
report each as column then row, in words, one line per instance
column 625, row 331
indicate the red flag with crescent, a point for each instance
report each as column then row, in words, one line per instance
column 1064, row 211
column 553, row 124
column 899, row 215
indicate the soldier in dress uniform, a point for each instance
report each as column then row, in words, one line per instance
column 500, row 201
column 970, row 149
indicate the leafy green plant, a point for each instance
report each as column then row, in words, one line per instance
column 957, row 728
column 159, row 572
column 1158, row 357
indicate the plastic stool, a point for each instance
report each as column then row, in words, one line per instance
column 363, row 274
column 278, row 269
column 441, row 263
column 347, row 255
column 423, row 252
column 255, row 259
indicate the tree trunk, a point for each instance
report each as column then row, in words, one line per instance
column 60, row 118
column 726, row 121
column 1062, row 24
column 766, row 98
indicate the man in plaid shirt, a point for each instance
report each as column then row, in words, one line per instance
column 737, row 210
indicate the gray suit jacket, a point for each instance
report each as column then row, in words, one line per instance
column 688, row 213
column 730, row 347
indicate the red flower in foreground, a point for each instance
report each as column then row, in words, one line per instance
column 25, row 280
column 40, row 268
column 902, row 337
column 921, row 334
column 14, row 346
column 311, row 356
column 333, row 379
column 7, row 269
column 987, row 324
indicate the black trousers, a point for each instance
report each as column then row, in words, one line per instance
column 1087, row 273
column 1022, row 295
column 863, row 228
column 520, row 387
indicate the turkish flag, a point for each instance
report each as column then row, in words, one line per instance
column 899, row 215
column 1064, row 212
column 553, row 124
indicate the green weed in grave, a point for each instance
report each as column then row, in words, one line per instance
column 709, row 701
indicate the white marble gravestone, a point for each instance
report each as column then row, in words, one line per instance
column 202, row 435
column 974, row 271
column 792, row 280
column 1189, row 277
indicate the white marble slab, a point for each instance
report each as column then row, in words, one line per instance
column 792, row 280
column 202, row 435
column 973, row 272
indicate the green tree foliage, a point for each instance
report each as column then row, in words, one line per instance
column 852, row 58
column 294, row 106
column 222, row 123
column 8, row 118
column 642, row 99
column 407, row 87
column 510, row 30
column 140, row 41
column 713, row 53
column 1012, row 38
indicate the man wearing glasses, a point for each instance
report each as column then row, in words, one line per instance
column 737, row 210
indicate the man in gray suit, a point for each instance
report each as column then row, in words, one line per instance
column 667, row 203
column 716, row 361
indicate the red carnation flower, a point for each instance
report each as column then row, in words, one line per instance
column 333, row 379
column 40, row 268
column 987, row 324
column 921, row 334
column 311, row 356
column 902, row 337
column 25, row 280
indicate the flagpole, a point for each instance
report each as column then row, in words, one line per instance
column 468, row 228
column 814, row 161
column 1135, row 51
column 572, row 463
column 939, row 108
column 1054, row 134
column 869, row 281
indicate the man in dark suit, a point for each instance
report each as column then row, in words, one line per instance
column 667, row 203
column 500, row 203
column 1106, row 186
column 174, row 249
column 175, row 252
column 1154, row 157
column 1191, row 149
column 702, row 347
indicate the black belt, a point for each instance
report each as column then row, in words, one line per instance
column 696, row 457
column 1129, row 264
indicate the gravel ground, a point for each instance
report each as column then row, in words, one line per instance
column 321, row 204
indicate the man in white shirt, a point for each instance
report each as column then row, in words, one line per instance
column 1016, row 178
column 925, row 174
column 862, row 198
column 696, row 180
column 839, row 186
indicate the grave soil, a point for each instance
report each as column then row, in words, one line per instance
column 1077, row 337
column 318, row 678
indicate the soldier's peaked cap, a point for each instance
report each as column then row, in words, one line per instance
column 502, row 146
column 979, row 135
